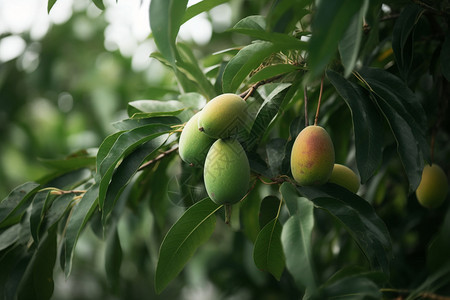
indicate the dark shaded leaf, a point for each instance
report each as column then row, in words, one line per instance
column 268, row 210
column 9, row 236
column 113, row 260
column 272, row 71
column 445, row 57
column 12, row 207
column 366, row 124
column 99, row 4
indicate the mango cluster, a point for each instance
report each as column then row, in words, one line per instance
column 208, row 140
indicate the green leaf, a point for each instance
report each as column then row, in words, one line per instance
column 99, row 4
column 330, row 22
column 194, row 228
column 246, row 60
column 272, row 71
column 37, row 281
column 268, row 251
column 125, row 171
column 266, row 113
column 254, row 26
column 439, row 247
column 434, row 282
column 349, row 44
column 268, row 210
column 77, row 160
column 12, row 207
column 124, row 145
column 76, row 223
column 248, row 213
column 284, row 14
column 200, row 7
column 359, row 218
column 351, row 287
column 9, row 236
column 40, row 201
column 50, row 4
column 366, row 124
column 165, row 20
column 403, row 38
column 154, row 108
column 194, row 101
column 105, row 147
column 296, row 241
column 445, row 57
column 113, row 260
column 129, row 124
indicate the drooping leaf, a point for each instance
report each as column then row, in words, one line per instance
column 246, row 60
column 80, row 215
column 349, row 44
column 330, row 22
column 200, row 7
column 296, row 238
column 351, row 287
column 13, row 205
column 104, row 149
column 266, row 113
column 284, row 14
column 37, row 281
column 124, row 172
column 77, row 160
column 445, row 57
column 37, row 213
column 124, row 145
column 9, row 236
column 359, row 218
column 403, row 38
column 50, row 4
column 190, row 231
column 113, row 260
column 366, row 124
column 268, row 251
column 248, row 213
column 165, row 20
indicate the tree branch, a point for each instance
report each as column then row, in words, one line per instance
column 158, row 158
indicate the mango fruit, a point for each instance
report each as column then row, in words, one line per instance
column 193, row 145
column 223, row 116
column 312, row 157
column 433, row 186
column 226, row 172
column 345, row 177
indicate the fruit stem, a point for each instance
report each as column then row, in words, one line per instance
column 318, row 104
column 158, row 158
column 228, row 210
column 306, row 106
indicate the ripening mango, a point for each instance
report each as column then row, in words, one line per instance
column 193, row 144
column 433, row 186
column 345, row 177
column 226, row 172
column 223, row 116
column 312, row 157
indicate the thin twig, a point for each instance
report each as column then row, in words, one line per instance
column 306, row 106
column 245, row 95
column 318, row 104
column 158, row 158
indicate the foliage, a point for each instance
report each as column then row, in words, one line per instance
column 382, row 73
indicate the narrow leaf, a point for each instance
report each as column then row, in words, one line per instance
column 50, row 4
column 445, row 57
column 366, row 124
column 9, row 236
column 330, row 22
column 268, row 251
column 113, row 260
column 272, row 71
column 99, row 4
column 13, row 205
column 268, row 210
column 190, row 231
column 78, row 219
column 155, row 107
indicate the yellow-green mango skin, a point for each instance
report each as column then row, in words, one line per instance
column 345, row 177
column 312, row 157
column 223, row 116
column 226, row 172
column 433, row 187
column 193, row 145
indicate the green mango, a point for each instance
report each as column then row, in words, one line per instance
column 345, row 177
column 226, row 172
column 433, row 186
column 223, row 116
column 193, row 145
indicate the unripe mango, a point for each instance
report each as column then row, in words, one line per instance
column 433, row 186
column 312, row 157
column 193, row 144
column 226, row 172
column 345, row 177
column 223, row 116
